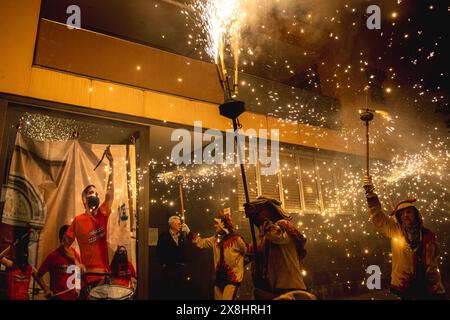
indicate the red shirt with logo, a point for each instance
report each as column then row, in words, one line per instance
column 90, row 232
column 19, row 282
column 56, row 264
column 123, row 274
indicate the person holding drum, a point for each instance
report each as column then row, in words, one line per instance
column 123, row 271
column 56, row 265
column 90, row 231
column 123, row 279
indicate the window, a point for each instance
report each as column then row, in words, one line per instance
column 290, row 182
column 327, row 185
column 306, row 183
column 309, row 184
column 250, row 173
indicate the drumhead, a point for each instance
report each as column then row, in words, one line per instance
column 110, row 292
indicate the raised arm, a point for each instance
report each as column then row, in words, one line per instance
column 382, row 222
column 6, row 262
column 203, row 243
column 5, row 252
column 109, row 197
column 196, row 239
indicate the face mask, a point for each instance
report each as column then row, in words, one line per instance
column 122, row 257
column 22, row 261
column 93, row 202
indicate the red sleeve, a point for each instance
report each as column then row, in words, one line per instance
column 104, row 209
column 70, row 233
column 45, row 266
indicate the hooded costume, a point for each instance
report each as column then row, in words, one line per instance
column 415, row 252
column 280, row 248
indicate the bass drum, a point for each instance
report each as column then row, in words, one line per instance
column 111, row 292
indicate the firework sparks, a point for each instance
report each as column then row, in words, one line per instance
column 221, row 22
column 385, row 115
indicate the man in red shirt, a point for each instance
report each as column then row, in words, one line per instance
column 90, row 229
column 123, row 271
column 56, row 264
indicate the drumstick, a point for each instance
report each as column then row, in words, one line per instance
column 61, row 293
column 12, row 245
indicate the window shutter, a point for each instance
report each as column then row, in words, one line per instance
column 309, row 181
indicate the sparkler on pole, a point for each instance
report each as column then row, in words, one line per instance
column 367, row 116
column 222, row 20
column 178, row 176
column 232, row 109
column 182, row 200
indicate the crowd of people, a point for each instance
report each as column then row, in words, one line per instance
column 275, row 256
column 280, row 249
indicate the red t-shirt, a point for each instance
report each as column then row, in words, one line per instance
column 90, row 232
column 123, row 274
column 56, row 264
column 19, row 283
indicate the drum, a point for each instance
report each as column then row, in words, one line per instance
column 111, row 292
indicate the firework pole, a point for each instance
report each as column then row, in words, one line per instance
column 367, row 116
column 180, row 183
column 176, row 176
column 232, row 109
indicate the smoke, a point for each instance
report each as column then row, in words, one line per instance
column 282, row 40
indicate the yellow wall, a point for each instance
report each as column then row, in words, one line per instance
column 18, row 27
column 18, row 22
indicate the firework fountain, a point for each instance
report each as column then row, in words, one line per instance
column 222, row 21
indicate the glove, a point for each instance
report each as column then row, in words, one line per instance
column 368, row 185
column 185, row 228
column 267, row 226
column 250, row 210
column 373, row 201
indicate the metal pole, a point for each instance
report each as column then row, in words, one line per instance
column 244, row 182
column 182, row 202
column 367, row 149
column 367, row 116
column 233, row 115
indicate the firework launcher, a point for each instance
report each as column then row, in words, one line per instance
column 232, row 109
column 367, row 116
